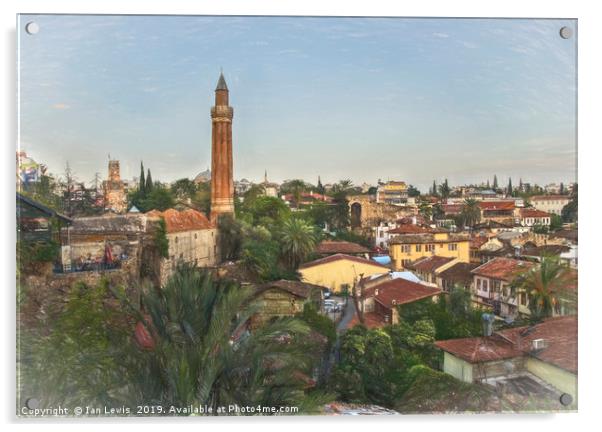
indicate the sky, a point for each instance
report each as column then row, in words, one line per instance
column 364, row 99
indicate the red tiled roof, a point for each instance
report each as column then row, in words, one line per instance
column 344, row 247
column 178, row 221
column 430, row 263
column 399, row 291
column 533, row 213
column 452, row 208
column 373, row 320
column 297, row 288
column 409, row 229
column 459, row 272
column 549, row 197
column 479, row 349
column 478, row 241
column 496, row 205
column 338, row 257
column 502, row 268
column 559, row 335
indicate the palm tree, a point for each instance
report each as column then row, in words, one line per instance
column 298, row 241
column 471, row 212
column 191, row 346
column 202, row 353
column 425, row 209
column 546, row 285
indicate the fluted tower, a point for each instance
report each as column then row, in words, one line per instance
column 222, row 182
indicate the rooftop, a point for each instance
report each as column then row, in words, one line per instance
column 427, row 238
column 459, row 272
column 328, row 247
column 429, row 264
column 409, row 229
column 341, row 257
column 399, row 291
column 549, row 197
column 297, row 288
column 559, row 335
column 179, row 221
column 496, row 205
column 533, row 213
column 502, row 268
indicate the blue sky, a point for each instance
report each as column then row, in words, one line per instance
column 358, row 98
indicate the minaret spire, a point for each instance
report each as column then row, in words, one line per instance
column 222, row 181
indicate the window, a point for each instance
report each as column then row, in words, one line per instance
column 523, row 299
column 405, row 248
column 478, row 284
column 452, row 246
column 429, row 248
column 195, row 236
column 418, row 248
column 485, row 287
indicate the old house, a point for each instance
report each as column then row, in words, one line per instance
column 108, row 242
column 407, row 248
column 427, row 268
column 491, row 286
column 378, row 303
column 333, row 247
column 457, row 275
column 339, row 273
column 129, row 242
column 192, row 240
column 533, row 217
column 550, row 203
column 542, row 354
column 284, row 298
column 498, row 211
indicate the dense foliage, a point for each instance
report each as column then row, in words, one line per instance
column 185, row 344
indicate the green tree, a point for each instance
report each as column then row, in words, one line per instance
column 470, row 213
column 425, row 210
column 555, row 222
column 160, row 239
column 149, row 186
column 510, row 190
column 413, row 191
column 320, row 187
column 434, row 189
column 569, row 212
column 444, row 189
column 159, row 198
column 298, row 241
column 495, row 185
column 183, row 189
column 546, row 285
column 190, row 349
column 142, row 181
column 230, row 238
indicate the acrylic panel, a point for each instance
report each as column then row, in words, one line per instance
column 235, row 215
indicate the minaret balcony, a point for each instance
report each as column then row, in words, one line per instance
column 222, row 111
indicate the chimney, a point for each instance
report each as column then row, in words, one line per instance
column 487, row 321
column 375, row 292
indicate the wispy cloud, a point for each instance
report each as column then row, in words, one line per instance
column 441, row 35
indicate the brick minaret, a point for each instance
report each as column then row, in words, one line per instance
column 222, row 183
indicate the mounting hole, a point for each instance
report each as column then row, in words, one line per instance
column 32, row 403
column 32, row 28
column 566, row 32
column 566, row 399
